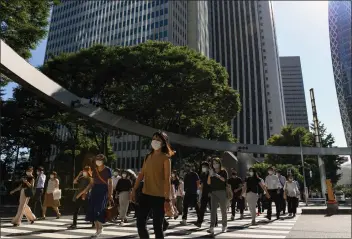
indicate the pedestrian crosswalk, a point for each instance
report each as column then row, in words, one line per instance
column 239, row 228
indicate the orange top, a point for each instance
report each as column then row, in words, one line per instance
column 157, row 171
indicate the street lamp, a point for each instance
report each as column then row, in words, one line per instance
column 304, row 173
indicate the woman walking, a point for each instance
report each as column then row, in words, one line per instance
column 49, row 201
column 217, row 180
column 175, row 184
column 80, row 198
column 123, row 188
column 23, row 209
column 156, row 172
column 100, row 195
column 250, row 190
column 291, row 194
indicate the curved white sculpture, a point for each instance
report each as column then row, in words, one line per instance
column 19, row 70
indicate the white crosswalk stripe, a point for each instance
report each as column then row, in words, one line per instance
column 57, row 228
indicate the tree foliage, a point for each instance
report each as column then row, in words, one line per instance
column 291, row 137
column 155, row 83
column 24, row 23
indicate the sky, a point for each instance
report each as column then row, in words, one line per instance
column 302, row 30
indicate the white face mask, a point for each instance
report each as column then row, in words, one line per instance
column 124, row 175
column 85, row 174
column 38, row 172
column 51, row 176
column 28, row 173
column 290, row 179
column 216, row 165
column 116, row 173
column 270, row 172
column 99, row 163
column 204, row 170
column 251, row 173
column 156, row 145
column 173, row 175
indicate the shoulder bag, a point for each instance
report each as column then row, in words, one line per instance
column 111, row 210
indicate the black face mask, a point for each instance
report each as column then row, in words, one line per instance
column 234, row 174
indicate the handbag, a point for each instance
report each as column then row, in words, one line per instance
column 28, row 192
column 57, row 194
column 111, row 212
column 229, row 193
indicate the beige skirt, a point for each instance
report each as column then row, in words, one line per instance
column 49, row 201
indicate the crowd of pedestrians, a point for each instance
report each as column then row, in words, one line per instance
column 160, row 193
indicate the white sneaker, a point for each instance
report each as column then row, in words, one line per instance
column 224, row 229
column 211, row 230
column 97, row 234
column 122, row 224
column 183, row 222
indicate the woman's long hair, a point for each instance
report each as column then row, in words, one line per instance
column 217, row 160
column 166, row 147
column 176, row 181
column 88, row 170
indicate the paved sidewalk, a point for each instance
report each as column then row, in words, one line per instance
column 320, row 226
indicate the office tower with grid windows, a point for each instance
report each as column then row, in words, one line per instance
column 243, row 39
column 81, row 24
column 341, row 55
column 294, row 94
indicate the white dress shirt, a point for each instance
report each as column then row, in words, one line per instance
column 272, row 182
column 41, row 180
column 282, row 180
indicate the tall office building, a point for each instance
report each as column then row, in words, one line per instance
column 294, row 97
column 80, row 24
column 341, row 54
column 243, row 39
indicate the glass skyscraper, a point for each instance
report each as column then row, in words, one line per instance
column 243, row 39
column 341, row 52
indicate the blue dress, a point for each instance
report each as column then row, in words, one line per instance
column 98, row 199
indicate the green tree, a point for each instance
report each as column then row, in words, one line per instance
column 24, row 23
column 289, row 137
column 155, row 83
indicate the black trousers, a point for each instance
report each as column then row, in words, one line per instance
column 155, row 205
column 282, row 201
column 292, row 204
column 79, row 203
column 274, row 197
column 37, row 201
column 204, row 201
column 239, row 202
column 189, row 200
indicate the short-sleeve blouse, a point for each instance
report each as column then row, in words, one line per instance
column 105, row 174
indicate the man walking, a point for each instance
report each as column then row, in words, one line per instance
column 39, row 190
column 237, row 200
column 204, row 193
column 282, row 181
column 191, row 186
column 274, row 187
